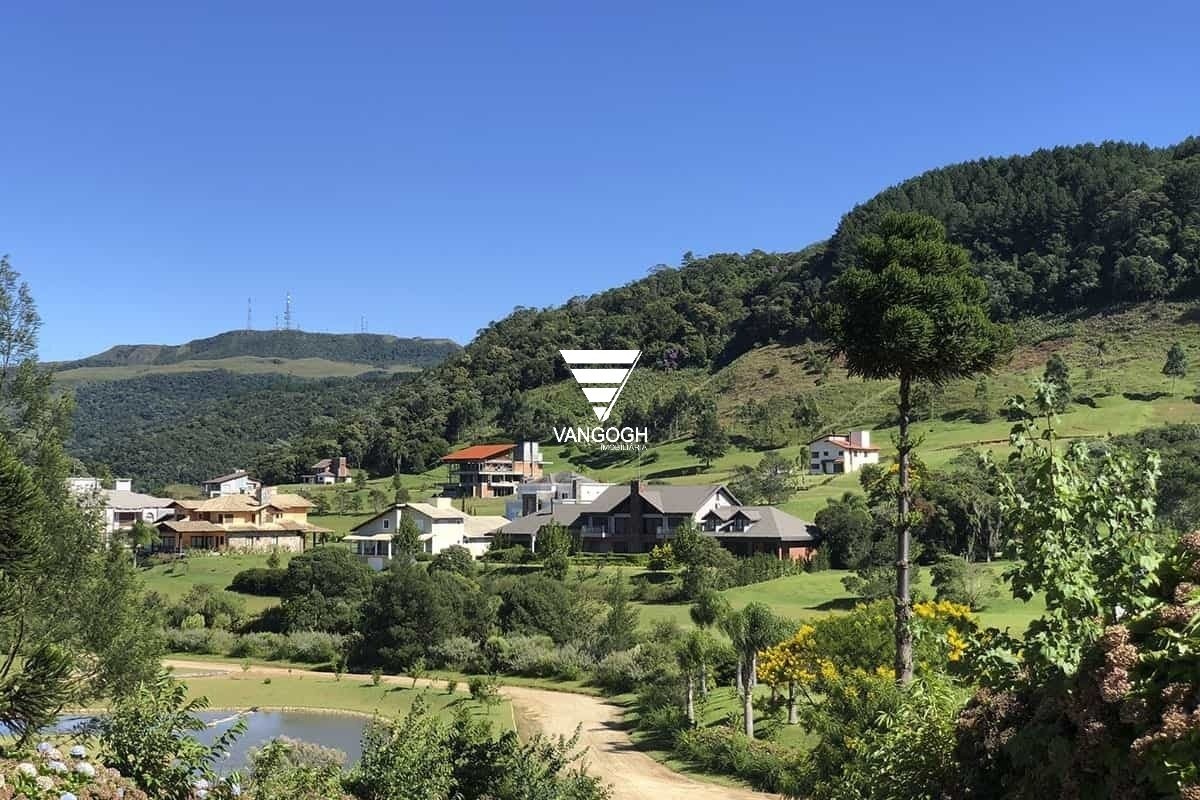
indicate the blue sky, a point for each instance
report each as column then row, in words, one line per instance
column 432, row 166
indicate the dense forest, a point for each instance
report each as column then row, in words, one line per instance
column 1072, row 228
column 186, row 427
column 379, row 350
column 1068, row 229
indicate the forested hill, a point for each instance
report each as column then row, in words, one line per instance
column 378, row 350
column 1071, row 228
column 1061, row 229
column 1081, row 227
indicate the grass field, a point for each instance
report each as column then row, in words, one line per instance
column 175, row 579
column 348, row 694
column 811, row 595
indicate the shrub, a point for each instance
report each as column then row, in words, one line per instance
column 259, row 581
column 765, row 766
column 484, row 689
column 619, row 672
column 310, row 647
column 201, row 641
column 256, row 645
column 287, row 769
column 532, row 656
column 147, row 737
column 461, row 653
column 454, row 558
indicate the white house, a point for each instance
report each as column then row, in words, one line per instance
column 538, row 494
column 236, row 482
column 440, row 526
column 121, row 506
column 834, row 453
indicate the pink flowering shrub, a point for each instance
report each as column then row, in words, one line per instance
column 1125, row 725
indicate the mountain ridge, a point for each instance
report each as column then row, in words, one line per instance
column 376, row 349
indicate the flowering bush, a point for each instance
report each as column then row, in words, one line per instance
column 51, row 774
column 1126, row 724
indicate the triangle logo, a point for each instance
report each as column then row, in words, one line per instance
column 602, row 375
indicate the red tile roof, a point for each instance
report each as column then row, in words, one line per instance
column 844, row 443
column 480, row 452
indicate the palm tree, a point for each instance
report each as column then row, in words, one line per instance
column 752, row 629
column 142, row 535
column 709, row 609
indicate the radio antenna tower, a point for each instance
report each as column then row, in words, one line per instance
column 249, row 313
column 287, row 313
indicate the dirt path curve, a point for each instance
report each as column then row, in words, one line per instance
column 610, row 754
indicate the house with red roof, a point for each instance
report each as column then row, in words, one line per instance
column 834, row 453
column 492, row 470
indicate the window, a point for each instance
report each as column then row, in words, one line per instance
column 387, row 523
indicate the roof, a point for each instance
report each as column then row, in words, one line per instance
column 479, row 452
column 484, row 525
column 667, row 499
column 283, row 526
column 375, row 537
column 235, row 474
column 228, row 502
column 190, row 505
column 532, row 523
column 325, row 467
column 283, row 500
column 119, row 498
column 435, row 513
column 771, row 523
column 189, row 526
column 844, row 443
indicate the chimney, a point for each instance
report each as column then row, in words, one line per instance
column 635, row 516
column 860, row 438
column 123, row 484
column 443, row 502
column 264, row 494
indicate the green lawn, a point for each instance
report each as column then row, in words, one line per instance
column 327, row 692
column 810, row 595
column 217, row 570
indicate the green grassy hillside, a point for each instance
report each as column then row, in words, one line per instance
column 1120, row 391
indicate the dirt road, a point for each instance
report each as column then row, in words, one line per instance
column 609, row 752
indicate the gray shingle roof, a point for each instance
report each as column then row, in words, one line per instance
column 666, row 498
column 563, row 514
column 772, row 523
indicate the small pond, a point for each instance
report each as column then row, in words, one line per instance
column 340, row 731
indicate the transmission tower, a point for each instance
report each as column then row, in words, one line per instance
column 249, row 313
column 287, row 313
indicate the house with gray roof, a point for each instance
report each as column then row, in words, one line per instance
column 635, row 517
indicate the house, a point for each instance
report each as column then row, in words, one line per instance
column 492, row 470
column 236, row 482
column 835, row 453
column 634, row 518
column 439, row 524
column 262, row 522
column 120, row 506
column 83, row 485
column 560, row 487
column 329, row 471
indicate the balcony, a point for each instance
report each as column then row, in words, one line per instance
column 594, row 531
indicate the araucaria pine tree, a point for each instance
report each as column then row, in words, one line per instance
column 1177, row 364
column 911, row 309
